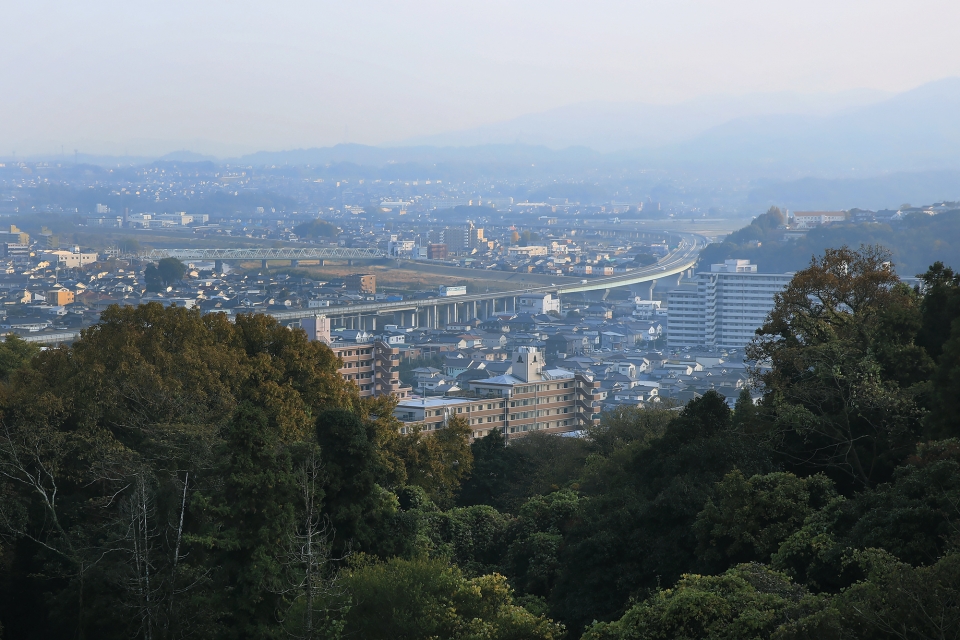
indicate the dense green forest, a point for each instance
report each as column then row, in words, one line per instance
column 172, row 475
column 914, row 243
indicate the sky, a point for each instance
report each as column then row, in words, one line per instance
column 224, row 78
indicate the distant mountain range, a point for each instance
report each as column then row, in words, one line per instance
column 855, row 135
column 852, row 134
column 620, row 126
column 424, row 154
column 876, row 192
column 917, row 130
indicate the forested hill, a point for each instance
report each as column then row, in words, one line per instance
column 172, row 475
column 915, row 242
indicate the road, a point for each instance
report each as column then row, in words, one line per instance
column 674, row 263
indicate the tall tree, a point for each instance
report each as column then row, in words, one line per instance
column 634, row 530
column 845, row 379
column 166, row 272
column 940, row 336
column 313, row 584
column 247, row 525
column 143, row 399
column 440, row 462
column 421, row 599
column 351, row 470
column 15, row 353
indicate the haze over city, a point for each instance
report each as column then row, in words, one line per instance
column 225, row 78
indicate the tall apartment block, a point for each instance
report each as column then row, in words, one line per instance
column 530, row 398
column 373, row 366
column 722, row 308
column 361, row 283
column 458, row 239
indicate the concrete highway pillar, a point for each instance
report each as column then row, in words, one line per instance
column 373, row 323
column 436, row 316
column 650, row 287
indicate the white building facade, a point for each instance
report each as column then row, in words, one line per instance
column 811, row 219
column 538, row 303
column 722, row 308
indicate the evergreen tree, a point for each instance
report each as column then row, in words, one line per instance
column 248, row 524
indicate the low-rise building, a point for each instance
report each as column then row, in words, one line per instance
column 59, row 296
column 529, row 251
column 436, row 251
column 68, row 259
column 810, row 219
column 538, row 303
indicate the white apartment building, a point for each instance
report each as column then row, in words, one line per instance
column 646, row 309
column 722, row 308
column 400, row 248
column 68, row 259
column 810, row 219
column 538, row 303
column 530, row 251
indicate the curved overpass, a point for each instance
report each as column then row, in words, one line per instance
column 673, row 264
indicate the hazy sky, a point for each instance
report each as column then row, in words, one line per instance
column 222, row 77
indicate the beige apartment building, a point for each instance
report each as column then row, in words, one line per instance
column 361, row 283
column 372, row 366
column 530, row 398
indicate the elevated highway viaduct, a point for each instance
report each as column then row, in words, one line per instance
column 427, row 312
column 436, row 312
